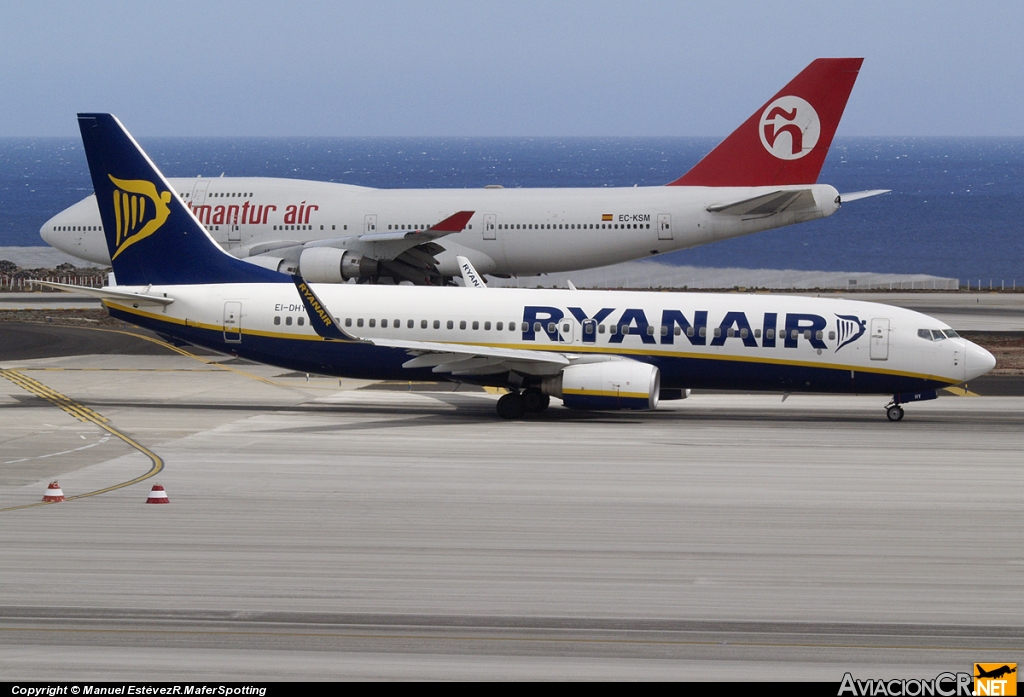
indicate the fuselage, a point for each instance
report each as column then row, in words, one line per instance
column 513, row 232
column 731, row 341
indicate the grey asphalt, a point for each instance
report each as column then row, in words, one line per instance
column 323, row 531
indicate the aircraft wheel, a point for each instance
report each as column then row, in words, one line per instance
column 535, row 400
column 512, row 406
column 895, row 413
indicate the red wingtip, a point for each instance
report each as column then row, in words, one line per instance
column 454, row 223
column 783, row 142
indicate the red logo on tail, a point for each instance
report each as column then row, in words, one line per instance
column 795, row 119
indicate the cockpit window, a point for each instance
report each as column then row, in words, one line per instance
column 936, row 334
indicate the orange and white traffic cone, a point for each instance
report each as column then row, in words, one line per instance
column 157, row 495
column 53, row 493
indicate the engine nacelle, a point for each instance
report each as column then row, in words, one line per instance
column 330, row 265
column 606, row 386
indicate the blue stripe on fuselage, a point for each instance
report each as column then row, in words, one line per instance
column 368, row 362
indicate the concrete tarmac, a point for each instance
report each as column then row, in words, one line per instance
column 317, row 530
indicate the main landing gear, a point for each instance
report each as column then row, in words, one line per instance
column 514, row 405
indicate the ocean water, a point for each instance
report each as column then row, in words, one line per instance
column 955, row 209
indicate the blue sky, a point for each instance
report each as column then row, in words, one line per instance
column 501, row 68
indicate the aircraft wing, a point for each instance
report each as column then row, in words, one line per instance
column 451, row 224
column 466, row 359
column 402, row 254
column 110, row 294
column 766, row 204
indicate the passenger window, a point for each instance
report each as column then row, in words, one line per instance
column 302, row 321
column 730, row 333
column 794, row 334
column 600, row 329
column 831, row 336
column 769, row 334
column 526, row 327
column 437, row 324
column 398, row 324
column 499, row 326
column 373, row 322
column 757, row 333
column 743, row 333
column 288, row 321
column 462, row 324
column 551, row 328
column 703, row 332
column 689, row 331
column 359, row 322
column 277, row 320
column 624, row 329
column 423, row 323
column 807, row 334
column 383, row 323
column 348, row 321
column 476, row 325
column 650, row 330
column 565, row 328
column 487, row 326
column 664, row 330
column 410, row 324
column 588, row 328
column 451, row 324
column 718, row 332
column 819, row 335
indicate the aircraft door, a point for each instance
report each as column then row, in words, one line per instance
column 234, row 229
column 565, row 329
column 879, row 339
column 233, row 322
column 490, row 227
column 664, row 226
column 199, row 193
column 369, row 224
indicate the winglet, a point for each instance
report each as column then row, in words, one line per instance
column 469, row 275
column 786, row 140
column 319, row 318
column 453, row 223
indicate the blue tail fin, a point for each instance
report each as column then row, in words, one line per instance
column 152, row 237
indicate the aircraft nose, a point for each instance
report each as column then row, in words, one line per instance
column 47, row 231
column 979, row 361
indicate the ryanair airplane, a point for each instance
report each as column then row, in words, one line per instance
column 763, row 176
column 590, row 349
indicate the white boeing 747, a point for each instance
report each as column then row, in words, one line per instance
column 762, row 176
column 590, row 349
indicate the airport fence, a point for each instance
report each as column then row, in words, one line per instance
column 25, row 283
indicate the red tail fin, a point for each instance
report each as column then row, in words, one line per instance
column 786, row 140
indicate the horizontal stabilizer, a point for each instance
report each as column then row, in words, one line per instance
column 109, row 293
column 766, row 204
column 858, row 195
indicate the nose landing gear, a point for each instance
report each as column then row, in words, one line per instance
column 894, row 411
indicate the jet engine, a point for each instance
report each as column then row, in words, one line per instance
column 321, row 264
column 608, row 385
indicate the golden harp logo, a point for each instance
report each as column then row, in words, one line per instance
column 139, row 211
